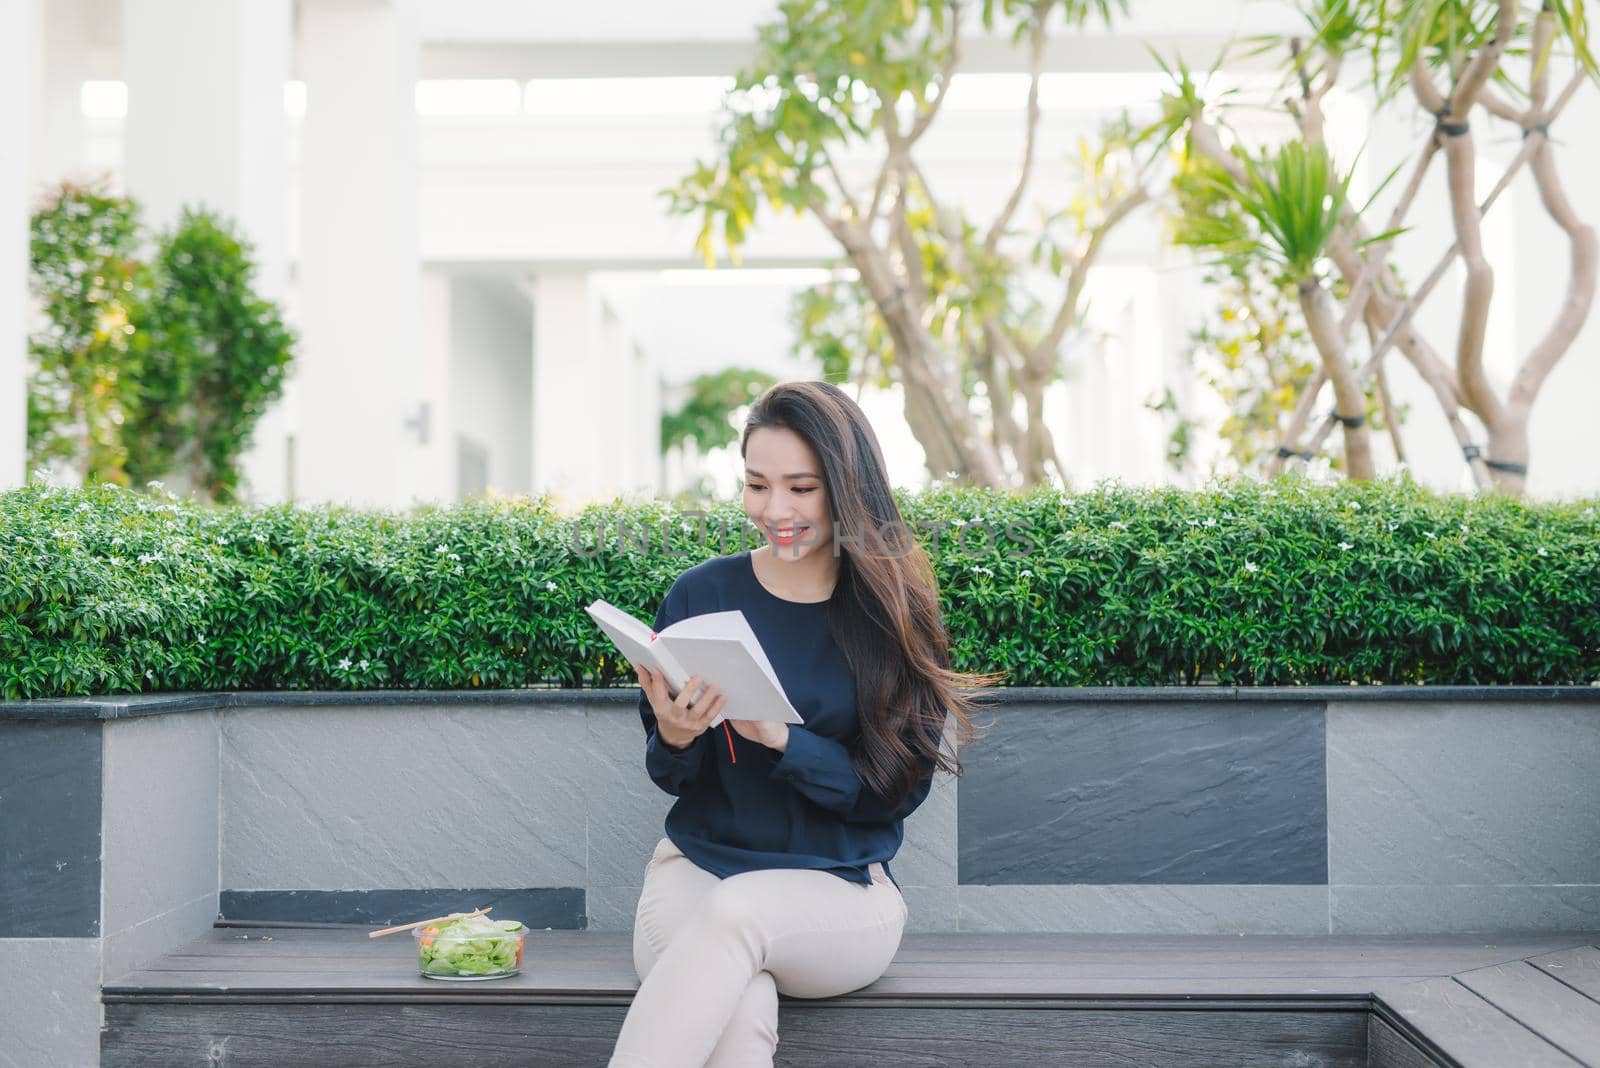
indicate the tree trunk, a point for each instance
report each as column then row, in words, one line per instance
column 1508, row 444
column 995, row 366
column 938, row 450
column 1350, row 401
column 922, row 364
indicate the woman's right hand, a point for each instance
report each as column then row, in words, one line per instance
column 678, row 720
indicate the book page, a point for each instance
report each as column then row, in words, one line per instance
column 731, row 624
column 751, row 693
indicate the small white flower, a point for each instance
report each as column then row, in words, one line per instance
column 1346, row 545
column 1117, row 524
column 958, row 521
column 149, row 674
column 262, row 538
column 1356, row 505
column 156, row 484
column 1250, row 566
column 456, row 557
column 1430, row 535
column 149, row 558
column 364, row 665
column 440, row 550
column 117, row 561
column 685, row 525
column 1543, row 551
column 460, row 570
column 84, row 507
column 1463, row 528
column 1026, row 573
column 222, row 541
column 114, row 541
column 1210, row 522
column 551, row 586
column 201, row 638
column 1194, row 522
column 344, row 665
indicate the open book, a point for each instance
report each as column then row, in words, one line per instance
column 720, row 647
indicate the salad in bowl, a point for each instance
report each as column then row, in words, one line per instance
column 472, row 947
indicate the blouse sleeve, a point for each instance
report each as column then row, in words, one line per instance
column 674, row 770
column 821, row 769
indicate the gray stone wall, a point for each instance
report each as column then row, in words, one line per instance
column 498, row 799
column 1164, row 814
column 49, row 1002
column 159, row 849
column 108, row 858
column 1463, row 816
column 126, row 826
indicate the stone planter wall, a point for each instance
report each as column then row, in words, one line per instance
column 127, row 826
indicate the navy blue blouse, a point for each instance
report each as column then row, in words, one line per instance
column 803, row 808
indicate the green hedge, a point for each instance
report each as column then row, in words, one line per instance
column 109, row 591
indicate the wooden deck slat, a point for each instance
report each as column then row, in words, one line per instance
column 409, row 985
column 1522, row 1000
column 953, row 968
column 814, row 1035
column 1578, row 967
column 1468, row 1028
column 1557, row 1013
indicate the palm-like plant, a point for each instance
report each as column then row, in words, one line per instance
column 1290, row 205
column 1451, row 55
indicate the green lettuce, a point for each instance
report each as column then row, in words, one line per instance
column 474, row 945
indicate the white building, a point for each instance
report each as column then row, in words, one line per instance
column 458, row 202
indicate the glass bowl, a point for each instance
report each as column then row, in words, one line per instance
column 492, row 955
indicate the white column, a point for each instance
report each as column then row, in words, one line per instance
column 19, row 44
column 434, row 477
column 206, row 127
column 67, row 62
column 205, row 116
column 568, row 388
column 359, row 267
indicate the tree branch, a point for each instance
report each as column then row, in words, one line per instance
column 952, row 59
column 838, row 180
column 1482, row 65
column 1035, row 70
column 904, row 239
column 1581, row 241
column 1066, row 312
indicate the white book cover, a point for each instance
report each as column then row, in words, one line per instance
column 720, row 647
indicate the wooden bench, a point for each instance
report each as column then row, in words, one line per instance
column 280, row 996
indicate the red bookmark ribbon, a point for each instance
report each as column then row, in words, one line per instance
column 731, row 755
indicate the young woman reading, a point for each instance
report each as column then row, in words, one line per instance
column 773, row 875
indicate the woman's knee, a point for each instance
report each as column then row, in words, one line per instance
column 751, row 1035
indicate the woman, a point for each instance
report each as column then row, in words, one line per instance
column 773, row 875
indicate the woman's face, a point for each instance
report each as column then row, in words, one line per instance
column 784, row 494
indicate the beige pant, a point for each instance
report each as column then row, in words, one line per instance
column 712, row 955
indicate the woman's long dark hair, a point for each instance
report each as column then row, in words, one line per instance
column 884, row 610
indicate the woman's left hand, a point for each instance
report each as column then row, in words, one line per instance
column 772, row 735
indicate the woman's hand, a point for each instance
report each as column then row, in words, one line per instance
column 678, row 721
column 772, row 735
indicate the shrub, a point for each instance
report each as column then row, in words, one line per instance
column 1291, row 582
